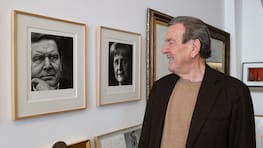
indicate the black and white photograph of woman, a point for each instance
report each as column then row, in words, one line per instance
column 120, row 64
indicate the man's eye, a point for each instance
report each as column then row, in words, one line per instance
column 54, row 57
column 38, row 59
column 171, row 42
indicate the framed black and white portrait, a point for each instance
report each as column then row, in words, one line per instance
column 118, row 66
column 48, row 65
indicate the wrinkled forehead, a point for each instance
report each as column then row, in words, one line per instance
column 175, row 31
column 44, row 45
column 176, row 28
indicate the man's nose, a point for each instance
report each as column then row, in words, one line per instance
column 165, row 49
column 47, row 63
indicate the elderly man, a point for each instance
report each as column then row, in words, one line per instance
column 196, row 106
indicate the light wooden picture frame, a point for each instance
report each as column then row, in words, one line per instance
column 122, row 138
column 67, row 95
column 114, row 84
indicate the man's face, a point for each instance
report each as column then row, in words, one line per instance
column 46, row 62
column 120, row 64
column 178, row 53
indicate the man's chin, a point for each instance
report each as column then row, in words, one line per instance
column 171, row 69
column 51, row 82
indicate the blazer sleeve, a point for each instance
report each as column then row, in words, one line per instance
column 242, row 123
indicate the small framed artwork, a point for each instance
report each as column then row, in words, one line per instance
column 48, row 65
column 118, row 66
column 123, row 138
column 253, row 74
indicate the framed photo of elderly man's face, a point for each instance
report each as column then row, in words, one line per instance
column 51, row 61
column 118, row 66
column 48, row 56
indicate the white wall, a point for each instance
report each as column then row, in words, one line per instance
column 252, row 51
column 251, row 42
column 244, row 20
column 40, row 132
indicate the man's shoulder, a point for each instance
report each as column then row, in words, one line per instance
column 226, row 80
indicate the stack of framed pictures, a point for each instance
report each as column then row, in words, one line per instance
column 123, row 138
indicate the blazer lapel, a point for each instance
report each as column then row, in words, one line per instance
column 205, row 101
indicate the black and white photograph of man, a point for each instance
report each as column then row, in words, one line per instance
column 51, row 62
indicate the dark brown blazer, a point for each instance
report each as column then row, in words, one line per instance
column 223, row 116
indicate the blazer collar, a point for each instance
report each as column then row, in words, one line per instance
column 205, row 100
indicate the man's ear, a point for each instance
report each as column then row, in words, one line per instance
column 196, row 48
